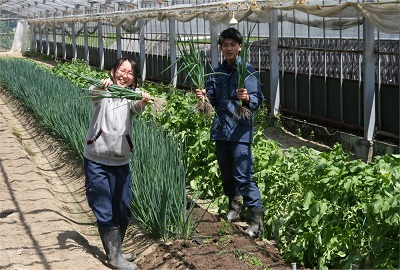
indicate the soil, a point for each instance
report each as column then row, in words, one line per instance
column 46, row 222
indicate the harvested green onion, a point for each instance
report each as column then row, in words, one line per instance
column 194, row 62
column 242, row 112
column 116, row 91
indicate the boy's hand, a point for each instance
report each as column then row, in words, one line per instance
column 242, row 94
column 200, row 93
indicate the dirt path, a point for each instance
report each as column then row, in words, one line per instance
column 44, row 221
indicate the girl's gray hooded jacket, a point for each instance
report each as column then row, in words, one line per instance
column 108, row 140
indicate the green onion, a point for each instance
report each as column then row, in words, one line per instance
column 159, row 169
column 195, row 63
column 243, row 112
column 116, row 91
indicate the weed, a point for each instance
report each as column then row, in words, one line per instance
column 27, row 150
column 16, row 132
column 245, row 255
column 312, row 135
column 224, row 229
column 224, row 240
column 298, row 132
column 278, row 123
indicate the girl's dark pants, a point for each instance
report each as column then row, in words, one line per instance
column 109, row 194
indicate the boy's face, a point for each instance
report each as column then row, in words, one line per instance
column 230, row 48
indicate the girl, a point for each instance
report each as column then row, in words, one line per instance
column 106, row 158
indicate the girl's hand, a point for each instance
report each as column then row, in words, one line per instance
column 243, row 95
column 106, row 82
column 145, row 98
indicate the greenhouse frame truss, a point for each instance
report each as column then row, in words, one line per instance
column 332, row 60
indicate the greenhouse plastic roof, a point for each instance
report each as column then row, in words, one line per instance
column 384, row 14
column 55, row 8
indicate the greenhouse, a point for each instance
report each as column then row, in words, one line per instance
column 329, row 71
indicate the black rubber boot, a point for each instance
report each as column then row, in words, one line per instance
column 129, row 256
column 235, row 207
column 111, row 239
column 256, row 228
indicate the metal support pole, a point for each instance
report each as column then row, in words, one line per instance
column 369, row 81
column 64, row 49
column 47, row 41
column 40, row 39
column 86, row 41
column 33, row 47
column 119, row 42
column 274, row 63
column 55, row 41
column 101, row 44
column 73, row 36
column 142, row 48
column 214, row 47
column 172, row 51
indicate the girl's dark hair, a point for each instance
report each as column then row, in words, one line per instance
column 119, row 62
column 232, row 33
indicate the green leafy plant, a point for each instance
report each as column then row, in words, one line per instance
column 243, row 254
column 224, row 228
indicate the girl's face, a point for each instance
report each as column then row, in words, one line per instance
column 124, row 75
column 230, row 48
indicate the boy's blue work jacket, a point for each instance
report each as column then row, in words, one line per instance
column 221, row 89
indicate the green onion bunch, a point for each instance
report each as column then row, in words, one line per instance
column 243, row 112
column 195, row 64
column 116, row 91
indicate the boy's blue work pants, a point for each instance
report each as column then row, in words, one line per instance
column 236, row 163
column 109, row 193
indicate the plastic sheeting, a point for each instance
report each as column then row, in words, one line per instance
column 384, row 16
column 21, row 37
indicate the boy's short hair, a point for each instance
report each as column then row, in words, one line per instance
column 232, row 33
